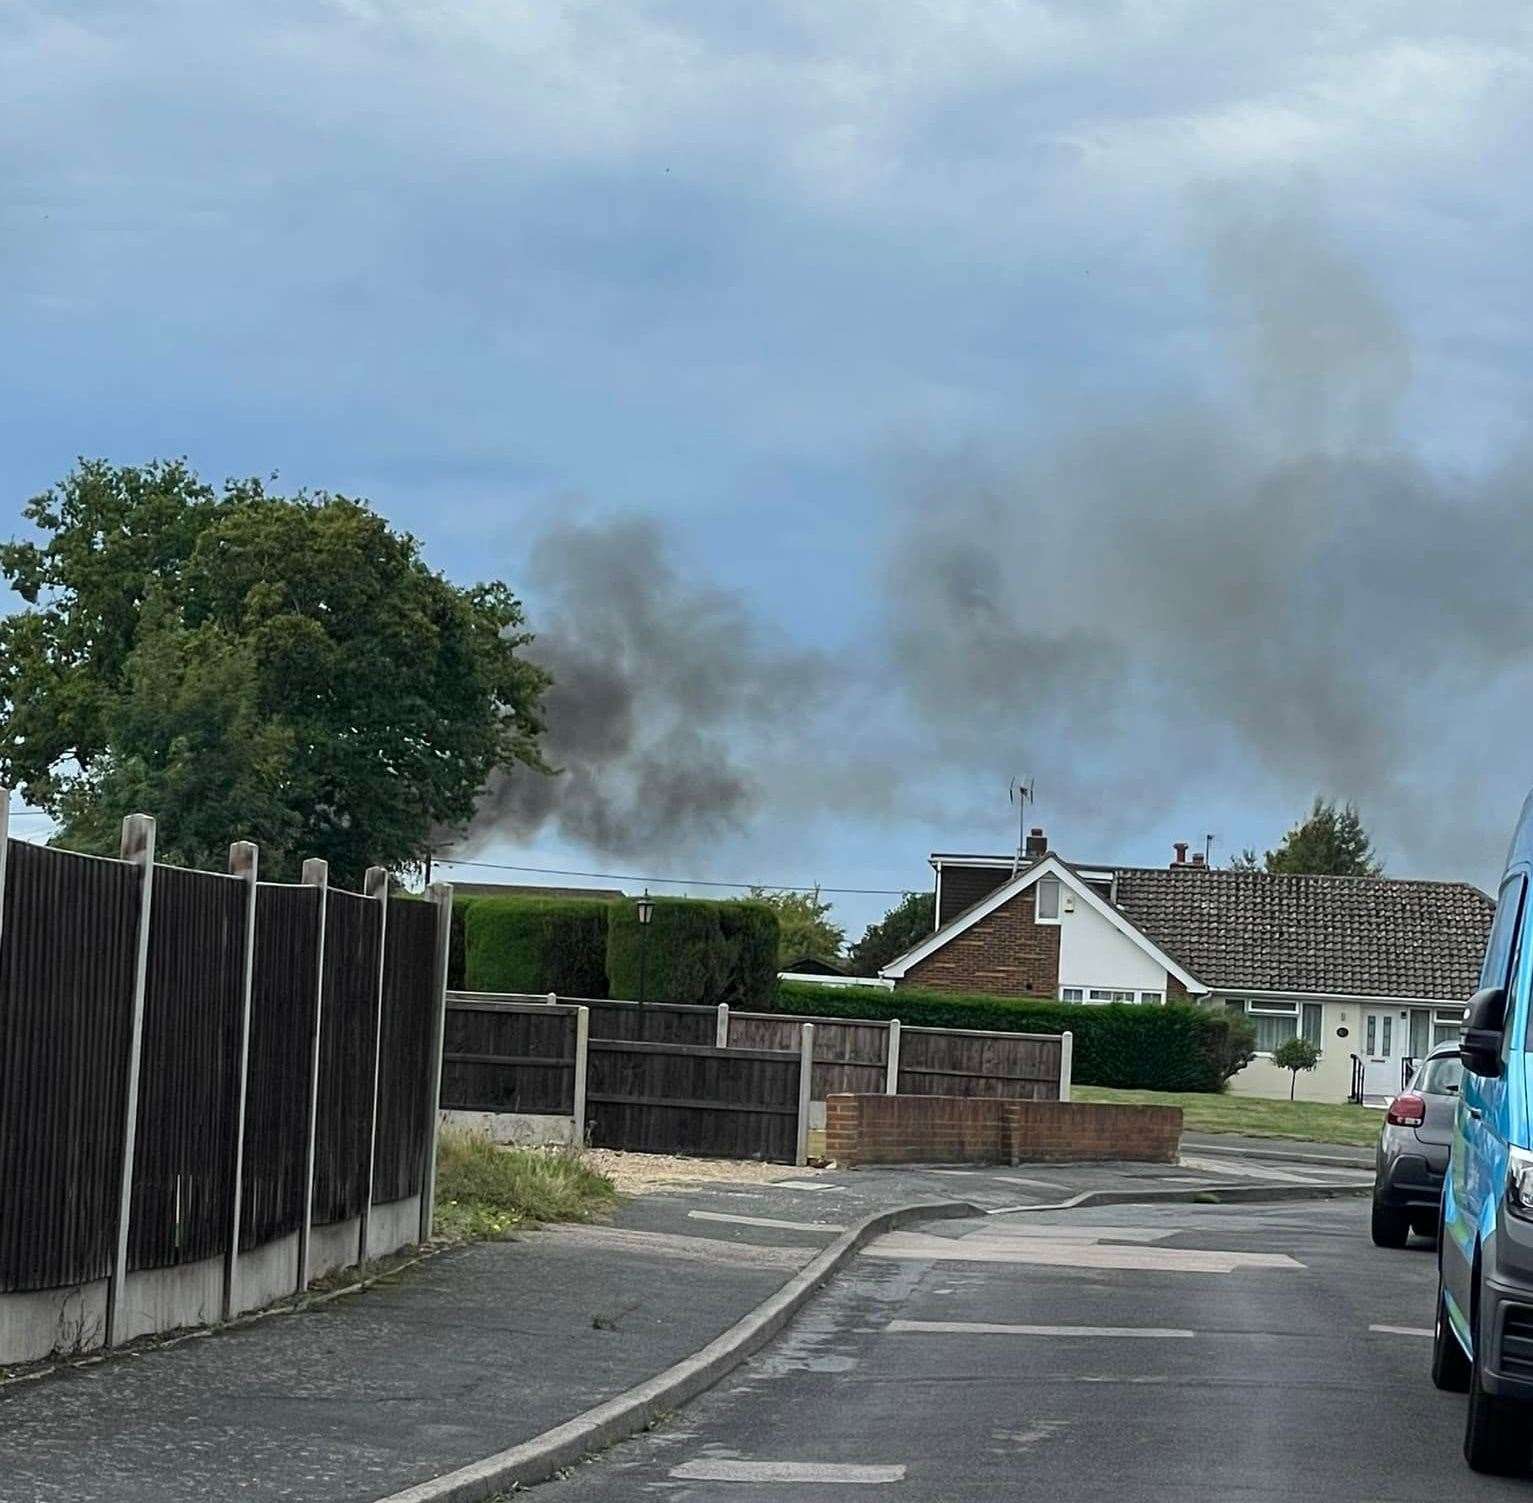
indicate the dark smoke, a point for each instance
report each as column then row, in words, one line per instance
column 1271, row 589
column 666, row 695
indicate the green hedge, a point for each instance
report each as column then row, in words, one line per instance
column 526, row 944
column 698, row 951
column 457, row 947
column 1178, row 1047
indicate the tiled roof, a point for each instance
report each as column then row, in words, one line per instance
column 1359, row 936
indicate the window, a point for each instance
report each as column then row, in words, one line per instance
column 1496, row 970
column 1071, row 994
column 1105, row 994
column 1154, row 998
column 1440, row 1076
column 1274, row 1022
column 1312, row 1023
column 1421, row 1032
column 1047, row 911
column 1447, row 1024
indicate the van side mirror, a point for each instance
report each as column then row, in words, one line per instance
column 1484, row 1022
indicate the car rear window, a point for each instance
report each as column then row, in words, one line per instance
column 1440, row 1076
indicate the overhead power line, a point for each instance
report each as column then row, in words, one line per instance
column 555, row 871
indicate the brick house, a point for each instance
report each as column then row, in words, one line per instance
column 1373, row 970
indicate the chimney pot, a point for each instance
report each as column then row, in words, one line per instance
column 1197, row 858
column 1180, row 847
column 1036, row 845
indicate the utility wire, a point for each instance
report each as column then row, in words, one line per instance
column 555, row 871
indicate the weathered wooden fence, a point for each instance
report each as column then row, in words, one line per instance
column 674, row 1078
column 199, row 1073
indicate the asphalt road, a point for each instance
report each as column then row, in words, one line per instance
column 936, row 1369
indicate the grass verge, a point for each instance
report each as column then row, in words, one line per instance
column 486, row 1192
column 1254, row 1116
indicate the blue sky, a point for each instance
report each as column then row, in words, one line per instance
column 1134, row 395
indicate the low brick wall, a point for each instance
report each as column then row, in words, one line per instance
column 975, row 1130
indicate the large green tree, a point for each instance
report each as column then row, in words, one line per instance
column 904, row 925
column 1329, row 841
column 246, row 665
column 803, row 925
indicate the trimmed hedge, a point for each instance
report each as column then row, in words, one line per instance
column 457, row 946
column 698, row 951
column 527, row 944
column 1178, row 1047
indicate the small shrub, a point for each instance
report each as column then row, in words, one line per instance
column 1293, row 1055
column 526, row 944
column 485, row 1191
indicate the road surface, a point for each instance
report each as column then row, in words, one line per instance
column 1170, row 1353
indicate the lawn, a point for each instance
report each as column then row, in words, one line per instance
column 1313, row 1121
column 484, row 1192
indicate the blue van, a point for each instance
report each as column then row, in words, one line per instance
column 1483, row 1334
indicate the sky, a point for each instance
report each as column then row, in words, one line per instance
column 871, row 404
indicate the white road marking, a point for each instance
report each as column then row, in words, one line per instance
column 989, row 1328
column 783, row 1471
column 787, row 1226
column 955, row 1171
column 1248, row 1171
column 1401, row 1331
column 1037, row 1184
column 684, row 1249
column 1062, row 1254
column 801, row 1184
column 1307, row 1158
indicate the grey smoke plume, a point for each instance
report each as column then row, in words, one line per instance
column 1273, row 586
column 1267, row 591
column 667, row 696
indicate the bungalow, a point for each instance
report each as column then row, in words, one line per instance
column 1374, row 970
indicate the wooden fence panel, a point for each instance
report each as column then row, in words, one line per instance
column 848, row 1056
column 509, row 1058
column 66, row 1008
column 654, row 1023
column 1013, row 1067
column 405, row 1045
column 693, row 1099
column 183, row 1169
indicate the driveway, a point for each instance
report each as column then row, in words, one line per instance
column 1169, row 1353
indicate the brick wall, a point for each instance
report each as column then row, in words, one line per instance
column 976, row 1130
column 1005, row 954
column 1175, row 991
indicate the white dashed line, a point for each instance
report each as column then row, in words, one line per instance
column 786, row 1226
column 988, row 1328
column 783, row 1471
column 1401, row 1331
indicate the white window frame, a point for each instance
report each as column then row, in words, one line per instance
column 1057, row 887
column 1106, row 996
column 1269, row 1008
column 1072, row 994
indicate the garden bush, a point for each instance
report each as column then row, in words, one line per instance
column 1178, row 1047
column 526, row 944
column 698, row 951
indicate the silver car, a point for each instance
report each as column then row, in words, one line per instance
column 1413, row 1151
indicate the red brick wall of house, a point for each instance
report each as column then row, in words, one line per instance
column 977, row 1130
column 1005, row 954
column 1175, row 991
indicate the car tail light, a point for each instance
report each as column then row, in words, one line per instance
column 1408, row 1110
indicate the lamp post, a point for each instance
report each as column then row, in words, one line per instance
column 646, row 909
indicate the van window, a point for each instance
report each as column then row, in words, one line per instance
column 1498, row 950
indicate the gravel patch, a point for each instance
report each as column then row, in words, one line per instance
column 637, row 1173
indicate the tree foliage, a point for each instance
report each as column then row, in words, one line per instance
column 1329, row 841
column 1293, row 1055
column 904, row 925
column 803, row 925
column 244, row 665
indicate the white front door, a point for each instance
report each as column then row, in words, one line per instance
column 1385, row 1041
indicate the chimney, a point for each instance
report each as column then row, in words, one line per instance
column 1036, row 845
column 1197, row 858
column 1180, row 847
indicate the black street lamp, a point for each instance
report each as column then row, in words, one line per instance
column 646, row 907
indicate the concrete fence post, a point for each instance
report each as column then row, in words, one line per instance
column 721, row 1028
column 138, row 833
column 892, row 1063
column 552, row 999
column 316, row 873
column 440, row 893
column 5, row 835
column 375, row 886
column 805, row 1090
column 1066, row 1063
column 582, row 1068
column 244, row 863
